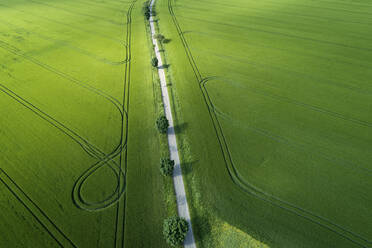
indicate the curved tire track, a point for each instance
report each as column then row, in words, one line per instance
column 87, row 146
column 90, row 149
column 121, row 205
column 281, row 139
column 16, row 51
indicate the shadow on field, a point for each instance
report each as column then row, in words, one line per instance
column 180, row 128
column 165, row 66
column 187, row 167
column 202, row 223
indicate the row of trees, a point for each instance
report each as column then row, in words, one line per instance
column 175, row 228
column 161, row 38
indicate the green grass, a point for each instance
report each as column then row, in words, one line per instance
column 65, row 80
column 290, row 91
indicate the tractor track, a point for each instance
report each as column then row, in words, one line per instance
column 90, row 149
column 5, row 177
column 63, row 24
column 98, row 5
column 85, row 144
column 233, row 172
column 281, row 139
column 67, row 10
column 287, row 35
column 123, row 158
column 63, row 43
column 47, row 67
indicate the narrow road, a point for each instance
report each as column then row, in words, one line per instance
column 183, row 208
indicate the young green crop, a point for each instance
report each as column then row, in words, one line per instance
column 275, row 95
column 76, row 146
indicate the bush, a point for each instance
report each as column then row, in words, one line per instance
column 162, row 124
column 154, row 62
column 166, row 166
column 175, row 230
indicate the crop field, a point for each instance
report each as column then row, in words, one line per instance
column 71, row 165
column 277, row 100
column 272, row 102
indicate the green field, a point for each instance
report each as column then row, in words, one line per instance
column 77, row 139
column 272, row 102
column 276, row 101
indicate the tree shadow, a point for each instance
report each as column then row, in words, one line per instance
column 165, row 66
column 203, row 225
column 180, row 128
column 188, row 166
column 165, row 41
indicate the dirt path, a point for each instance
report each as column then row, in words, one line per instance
column 183, row 208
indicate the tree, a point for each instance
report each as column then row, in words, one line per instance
column 175, row 230
column 147, row 15
column 162, row 124
column 166, row 166
column 146, row 10
column 155, row 62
